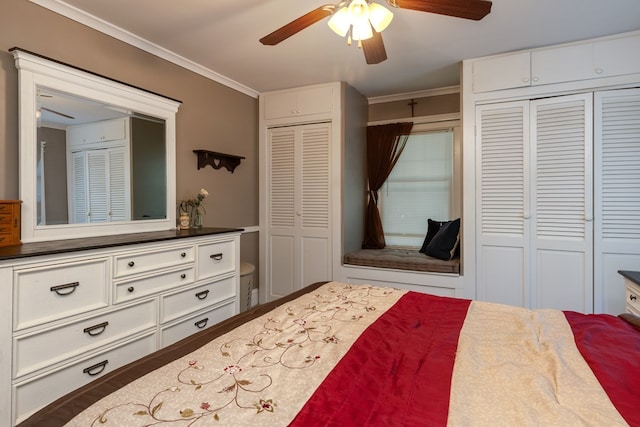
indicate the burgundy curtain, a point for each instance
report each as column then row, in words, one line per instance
column 384, row 146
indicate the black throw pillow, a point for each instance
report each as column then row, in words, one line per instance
column 445, row 243
column 432, row 229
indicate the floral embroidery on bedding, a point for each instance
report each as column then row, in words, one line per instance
column 249, row 370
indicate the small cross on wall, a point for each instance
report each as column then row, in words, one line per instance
column 412, row 104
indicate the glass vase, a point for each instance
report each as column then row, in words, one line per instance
column 197, row 219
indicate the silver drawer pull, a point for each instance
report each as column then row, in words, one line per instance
column 96, row 329
column 201, row 323
column 92, row 370
column 216, row 257
column 66, row 289
column 202, row 294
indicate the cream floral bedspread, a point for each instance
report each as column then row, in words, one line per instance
column 513, row 367
column 258, row 375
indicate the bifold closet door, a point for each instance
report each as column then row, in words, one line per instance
column 299, row 207
column 562, row 203
column 502, row 132
column 535, row 210
column 617, row 194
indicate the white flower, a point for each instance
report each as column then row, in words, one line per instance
column 204, row 192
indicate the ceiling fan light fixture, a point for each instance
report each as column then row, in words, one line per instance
column 359, row 11
column 361, row 30
column 379, row 16
column 340, row 22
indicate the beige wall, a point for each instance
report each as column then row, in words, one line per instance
column 212, row 116
column 427, row 106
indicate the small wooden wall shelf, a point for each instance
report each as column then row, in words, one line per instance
column 217, row 160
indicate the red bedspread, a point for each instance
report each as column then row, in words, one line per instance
column 612, row 349
column 398, row 372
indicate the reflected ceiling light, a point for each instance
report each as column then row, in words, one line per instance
column 357, row 17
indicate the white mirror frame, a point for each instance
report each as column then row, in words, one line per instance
column 36, row 71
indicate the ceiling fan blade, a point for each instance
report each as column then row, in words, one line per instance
column 298, row 25
column 373, row 48
column 468, row 9
column 58, row 113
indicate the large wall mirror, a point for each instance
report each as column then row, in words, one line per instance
column 97, row 157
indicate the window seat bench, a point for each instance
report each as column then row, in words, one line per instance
column 402, row 259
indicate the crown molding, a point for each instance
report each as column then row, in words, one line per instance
column 121, row 34
column 414, row 95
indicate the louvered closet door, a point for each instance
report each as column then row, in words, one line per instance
column 119, row 205
column 562, row 203
column 617, row 194
column 282, row 230
column 315, row 207
column 299, row 207
column 98, row 188
column 78, row 200
column 503, row 209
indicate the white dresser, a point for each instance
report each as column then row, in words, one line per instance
column 632, row 291
column 75, row 310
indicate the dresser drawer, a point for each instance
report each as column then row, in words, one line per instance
column 152, row 260
column 148, row 285
column 38, row 350
column 216, row 258
column 188, row 301
column 47, row 293
column 633, row 297
column 182, row 329
column 31, row 395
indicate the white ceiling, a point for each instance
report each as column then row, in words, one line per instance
column 219, row 38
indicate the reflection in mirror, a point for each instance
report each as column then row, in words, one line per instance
column 97, row 163
column 97, row 156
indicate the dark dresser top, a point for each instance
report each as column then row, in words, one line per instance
column 74, row 245
column 634, row 276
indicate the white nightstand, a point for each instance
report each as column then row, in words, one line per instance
column 632, row 292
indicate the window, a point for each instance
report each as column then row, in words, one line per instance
column 423, row 184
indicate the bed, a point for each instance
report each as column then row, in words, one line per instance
column 336, row 354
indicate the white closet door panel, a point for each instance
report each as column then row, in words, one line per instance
column 503, row 207
column 502, row 186
column 98, row 190
column 79, row 189
column 562, row 194
column 617, row 194
column 316, row 260
column 118, row 186
column 562, row 178
column 282, row 177
column 620, row 162
column 503, row 275
column 315, row 201
column 561, row 276
column 282, row 250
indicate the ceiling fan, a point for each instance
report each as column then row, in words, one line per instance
column 45, row 95
column 368, row 34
